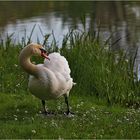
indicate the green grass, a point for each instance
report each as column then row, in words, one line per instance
column 105, row 86
column 101, row 72
column 19, row 118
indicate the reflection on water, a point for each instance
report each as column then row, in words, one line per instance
column 121, row 19
column 59, row 17
column 22, row 28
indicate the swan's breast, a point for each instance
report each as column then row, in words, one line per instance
column 43, row 86
column 49, row 84
column 39, row 88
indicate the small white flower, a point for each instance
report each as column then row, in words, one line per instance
column 58, row 107
column 15, row 116
column 84, row 115
column 53, row 123
column 78, row 105
column 93, row 107
column 102, row 130
column 101, row 136
column 16, row 119
column 127, row 119
column 87, row 112
column 76, row 111
column 15, row 65
column 119, row 121
column 59, row 138
column 32, row 118
column 33, row 131
column 97, row 118
column 26, row 111
column 82, row 103
column 40, row 112
column 126, row 60
column 18, row 85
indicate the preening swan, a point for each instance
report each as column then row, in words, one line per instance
column 50, row 80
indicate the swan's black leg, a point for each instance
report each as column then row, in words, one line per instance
column 44, row 107
column 45, row 111
column 67, row 102
column 69, row 113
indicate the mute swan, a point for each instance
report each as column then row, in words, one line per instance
column 50, row 80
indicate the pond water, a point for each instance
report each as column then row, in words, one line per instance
column 119, row 19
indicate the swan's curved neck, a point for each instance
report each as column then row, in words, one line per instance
column 24, row 60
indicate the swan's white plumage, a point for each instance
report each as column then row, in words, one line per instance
column 54, row 78
column 58, row 64
column 50, row 80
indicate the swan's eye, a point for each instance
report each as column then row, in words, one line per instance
column 42, row 50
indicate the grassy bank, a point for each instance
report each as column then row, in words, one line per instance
column 105, row 82
column 19, row 118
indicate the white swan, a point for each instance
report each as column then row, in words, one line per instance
column 50, row 80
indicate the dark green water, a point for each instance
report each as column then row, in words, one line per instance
column 121, row 19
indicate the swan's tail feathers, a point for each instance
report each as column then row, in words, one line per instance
column 74, row 83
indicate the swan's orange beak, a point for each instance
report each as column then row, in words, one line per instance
column 44, row 54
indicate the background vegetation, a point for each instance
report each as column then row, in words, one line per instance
column 97, row 70
column 104, row 77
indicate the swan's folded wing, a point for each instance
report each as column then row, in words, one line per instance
column 57, row 63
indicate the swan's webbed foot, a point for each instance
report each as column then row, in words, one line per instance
column 69, row 114
column 45, row 110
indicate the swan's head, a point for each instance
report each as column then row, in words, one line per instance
column 39, row 51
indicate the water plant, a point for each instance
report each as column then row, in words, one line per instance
column 97, row 70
